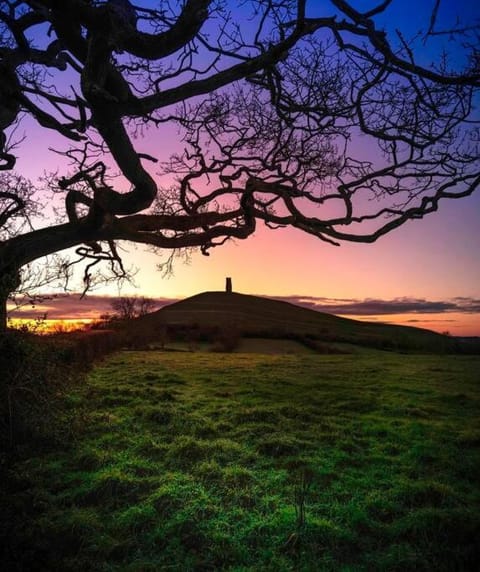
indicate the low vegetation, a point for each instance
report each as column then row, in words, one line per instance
column 36, row 372
column 241, row 462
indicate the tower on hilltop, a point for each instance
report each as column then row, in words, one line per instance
column 228, row 285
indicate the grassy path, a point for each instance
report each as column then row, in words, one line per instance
column 255, row 462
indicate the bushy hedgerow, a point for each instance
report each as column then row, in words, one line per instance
column 31, row 380
column 35, row 373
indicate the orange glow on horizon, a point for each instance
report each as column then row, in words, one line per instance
column 65, row 325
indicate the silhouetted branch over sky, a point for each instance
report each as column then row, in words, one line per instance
column 317, row 117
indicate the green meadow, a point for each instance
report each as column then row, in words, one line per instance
column 244, row 462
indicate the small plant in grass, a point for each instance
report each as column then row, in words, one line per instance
column 302, row 482
column 301, row 491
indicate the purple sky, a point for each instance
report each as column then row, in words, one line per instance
column 428, row 270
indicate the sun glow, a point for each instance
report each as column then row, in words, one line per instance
column 40, row 326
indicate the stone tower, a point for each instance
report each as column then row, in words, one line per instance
column 228, row 285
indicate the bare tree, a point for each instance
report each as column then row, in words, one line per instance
column 124, row 307
column 128, row 307
column 269, row 113
column 145, row 305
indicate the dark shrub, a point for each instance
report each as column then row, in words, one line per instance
column 35, row 372
column 226, row 340
column 32, row 375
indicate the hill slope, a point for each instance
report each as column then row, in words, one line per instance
column 255, row 316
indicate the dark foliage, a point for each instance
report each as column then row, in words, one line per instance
column 35, row 374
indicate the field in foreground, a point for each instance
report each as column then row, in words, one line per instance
column 259, row 462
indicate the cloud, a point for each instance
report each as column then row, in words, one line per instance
column 377, row 307
column 473, row 304
column 431, row 321
column 71, row 306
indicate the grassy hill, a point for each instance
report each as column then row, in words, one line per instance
column 262, row 317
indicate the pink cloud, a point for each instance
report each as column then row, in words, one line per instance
column 72, row 306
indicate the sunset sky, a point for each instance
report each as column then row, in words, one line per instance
column 425, row 274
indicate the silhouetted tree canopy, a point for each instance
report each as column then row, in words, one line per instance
column 289, row 113
column 129, row 307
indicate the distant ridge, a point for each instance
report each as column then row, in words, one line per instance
column 264, row 317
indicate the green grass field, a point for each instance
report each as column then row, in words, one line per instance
column 245, row 462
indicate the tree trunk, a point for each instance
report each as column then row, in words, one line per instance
column 3, row 313
column 9, row 281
